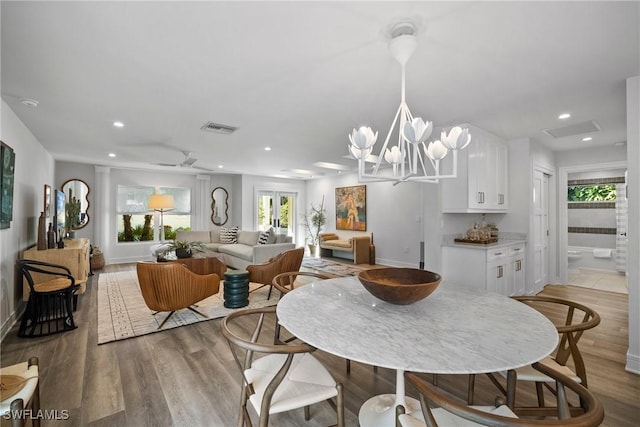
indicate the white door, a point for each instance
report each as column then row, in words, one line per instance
column 277, row 210
column 540, row 241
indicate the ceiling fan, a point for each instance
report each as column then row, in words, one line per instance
column 186, row 163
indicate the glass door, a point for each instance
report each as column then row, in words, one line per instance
column 277, row 210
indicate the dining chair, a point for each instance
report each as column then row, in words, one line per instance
column 50, row 305
column 286, row 282
column 20, row 389
column 451, row 411
column 286, row 376
column 571, row 320
column 264, row 273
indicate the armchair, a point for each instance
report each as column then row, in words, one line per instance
column 49, row 308
column 287, row 261
column 172, row 286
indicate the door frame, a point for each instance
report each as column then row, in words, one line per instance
column 563, row 214
column 552, row 224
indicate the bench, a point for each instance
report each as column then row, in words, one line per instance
column 361, row 246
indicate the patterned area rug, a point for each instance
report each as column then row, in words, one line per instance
column 123, row 314
column 332, row 267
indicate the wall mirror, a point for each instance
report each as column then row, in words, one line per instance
column 77, row 203
column 219, row 206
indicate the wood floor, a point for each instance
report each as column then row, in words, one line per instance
column 186, row 377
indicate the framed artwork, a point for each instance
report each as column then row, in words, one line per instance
column 47, row 201
column 60, row 205
column 351, row 208
column 7, row 176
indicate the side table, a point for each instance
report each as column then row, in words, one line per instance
column 236, row 289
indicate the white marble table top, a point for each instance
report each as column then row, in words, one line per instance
column 449, row 332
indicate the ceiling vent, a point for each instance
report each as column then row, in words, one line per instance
column 575, row 129
column 218, row 128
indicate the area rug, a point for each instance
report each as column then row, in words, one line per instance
column 123, row 314
column 332, row 267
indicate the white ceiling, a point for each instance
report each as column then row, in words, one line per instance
column 298, row 76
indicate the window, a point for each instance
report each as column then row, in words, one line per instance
column 137, row 223
column 591, row 193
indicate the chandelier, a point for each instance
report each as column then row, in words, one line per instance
column 406, row 158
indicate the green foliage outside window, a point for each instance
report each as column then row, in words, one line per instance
column 591, row 193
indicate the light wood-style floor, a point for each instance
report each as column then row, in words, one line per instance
column 186, row 377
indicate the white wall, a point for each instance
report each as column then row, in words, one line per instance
column 633, row 250
column 34, row 168
column 394, row 216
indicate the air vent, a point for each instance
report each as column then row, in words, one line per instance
column 218, row 128
column 576, row 129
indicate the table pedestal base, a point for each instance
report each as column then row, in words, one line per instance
column 380, row 411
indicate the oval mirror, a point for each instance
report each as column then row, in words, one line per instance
column 219, row 206
column 76, row 193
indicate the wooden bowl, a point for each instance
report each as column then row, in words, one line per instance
column 399, row 285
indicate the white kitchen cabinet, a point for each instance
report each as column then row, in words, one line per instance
column 497, row 268
column 482, row 181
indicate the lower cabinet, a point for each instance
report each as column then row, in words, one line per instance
column 497, row 269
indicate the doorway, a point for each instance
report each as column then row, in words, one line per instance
column 540, row 228
column 593, row 231
column 278, row 210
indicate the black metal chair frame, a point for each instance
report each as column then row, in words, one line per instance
column 47, row 312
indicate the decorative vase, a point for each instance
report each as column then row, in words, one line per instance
column 42, row 232
column 51, row 237
column 313, row 250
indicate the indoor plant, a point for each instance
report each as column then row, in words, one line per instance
column 314, row 219
column 184, row 248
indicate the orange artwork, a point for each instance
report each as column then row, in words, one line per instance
column 351, row 204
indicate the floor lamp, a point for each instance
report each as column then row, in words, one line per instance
column 161, row 203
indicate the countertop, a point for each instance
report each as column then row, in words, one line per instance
column 501, row 243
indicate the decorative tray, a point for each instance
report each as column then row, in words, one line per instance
column 477, row 242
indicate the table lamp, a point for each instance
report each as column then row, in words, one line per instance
column 161, row 203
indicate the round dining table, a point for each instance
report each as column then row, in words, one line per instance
column 449, row 332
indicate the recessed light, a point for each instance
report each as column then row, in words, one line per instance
column 564, row 116
column 586, row 138
column 112, row 154
column 29, row 102
column 118, row 124
column 619, row 143
column 220, row 166
column 267, row 148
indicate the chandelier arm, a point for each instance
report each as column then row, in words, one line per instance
column 386, row 141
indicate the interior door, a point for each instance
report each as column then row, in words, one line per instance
column 541, row 229
column 276, row 209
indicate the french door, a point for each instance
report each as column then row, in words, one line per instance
column 278, row 210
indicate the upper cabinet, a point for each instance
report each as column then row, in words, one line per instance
column 482, row 182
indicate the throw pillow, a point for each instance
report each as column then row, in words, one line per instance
column 229, row 234
column 265, row 236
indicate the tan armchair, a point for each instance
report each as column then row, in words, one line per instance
column 287, row 261
column 171, row 287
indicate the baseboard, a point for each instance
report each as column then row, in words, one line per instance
column 633, row 363
column 393, row 263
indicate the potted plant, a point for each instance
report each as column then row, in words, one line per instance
column 314, row 219
column 184, row 248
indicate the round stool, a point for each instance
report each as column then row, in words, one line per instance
column 236, row 289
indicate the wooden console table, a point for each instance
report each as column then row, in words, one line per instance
column 74, row 256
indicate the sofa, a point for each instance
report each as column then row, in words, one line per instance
column 360, row 246
column 245, row 252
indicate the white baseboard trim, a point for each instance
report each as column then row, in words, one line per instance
column 633, row 363
column 392, row 263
